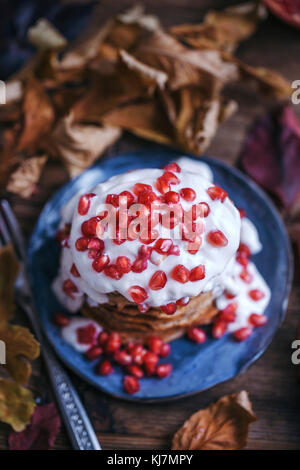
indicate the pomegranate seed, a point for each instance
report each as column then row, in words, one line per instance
column 74, row 271
column 60, row 319
column 69, row 288
column 147, row 197
column 105, row 368
column 131, row 384
column 63, row 235
column 242, row 260
column 173, row 166
column 219, row 328
column 96, row 244
column 170, row 177
column 145, row 252
column 84, row 203
column 86, row 334
column 180, row 274
column 257, row 320
column 155, row 344
column 89, row 227
column 102, row 338
column 123, row 264
column 183, row 301
column 194, row 247
column 175, row 250
column 197, row 273
column 242, row 212
column 143, row 308
column 169, row 309
column 139, row 187
column 172, row 197
column 118, row 240
column 81, row 244
column 163, row 246
column 165, row 350
column 100, row 263
column 138, row 294
column 113, row 343
column 203, row 209
column 242, row 333
column 136, row 371
column 217, row 238
column 228, row 313
column 139, row 265
column 229, row 295
column 162, row 185
column 148, row 238
column 93, row 353
column 137, row 354
column 112, row 271
column 217, row 193
column 256, row 294
column 244, row 249
column 123, row 358
column 188, row 194
column 158, row 280
column 197, row 335
column 150, row 362
column 112, row 199
column 246, row 276
column 129, row 197
column 163, row 370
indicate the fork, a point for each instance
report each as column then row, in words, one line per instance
column 76, row 420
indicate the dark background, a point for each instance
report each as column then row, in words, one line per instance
column 272, row 382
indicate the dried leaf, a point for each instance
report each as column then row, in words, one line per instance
column 79, row 145
column 21, row 347
column 43, row 35
column 271, row 155
column 24, row 179
column 222, row 426
column 41, row 433
column 9, row 268
column 16, row 404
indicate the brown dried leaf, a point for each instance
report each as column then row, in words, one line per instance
column 79, row 145
column 222, row 426
column 268, row 81
column 44, row 36
column 16, row 404
column 21, row 347
column 24, row 179
column 9, row 268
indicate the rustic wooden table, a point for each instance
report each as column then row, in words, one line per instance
column 272, row 381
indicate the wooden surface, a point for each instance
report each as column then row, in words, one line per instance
column 272, row 381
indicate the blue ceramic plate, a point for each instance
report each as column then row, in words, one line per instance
column 195, row 367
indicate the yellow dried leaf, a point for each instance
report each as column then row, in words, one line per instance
column 16, row 404
column 23, row 180
column 9, row 268
column 222, row 426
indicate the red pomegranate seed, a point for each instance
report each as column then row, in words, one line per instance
column 123, row 264
column 229, row 295
column 86, row 334
column 150, row 362
column 93, row 353
column 112, row 199
column 147, row 197
column 163, row 246
column 194, row 247
column 113, row 343
column 112, row 271
column 217, row 193
column 183, row 301
column 96, row 244
column 102, row 338
column 242, row 260
column 165, row 350
column 242, row 333
column 89, row 227
column 148, row 238
column 100, row 263
column 242, row 213
column 169, row 309
column 170, row 177
column 63, row 235
column 173, row 166
column 137, row 354
column 136, row 371
column 163, row 370
column 244, row 249
column 257, row 320
column 60, row 319
column 129, row 197
column 155, row 344
column 217, row 238
column 143, row 308
column 118, row 240
column 69, row 288
column 139, row 187
column 138, row 294
column 139, row 265
column 171, row 197
column 197, row 273
column 131, row 384
column 123, row 358
column 228, row 313
column 81, row 244
column 188, row 194
column 145, row 252
column 219, row 328
column 197, row 335
column 74, row 271
column 246, row 276
column 105, row 368
column 84, row 203
column 162, row 185
column 175, row 250
column 256, row 294
column 158, row 280
column 180, row 274
column 204, row 209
